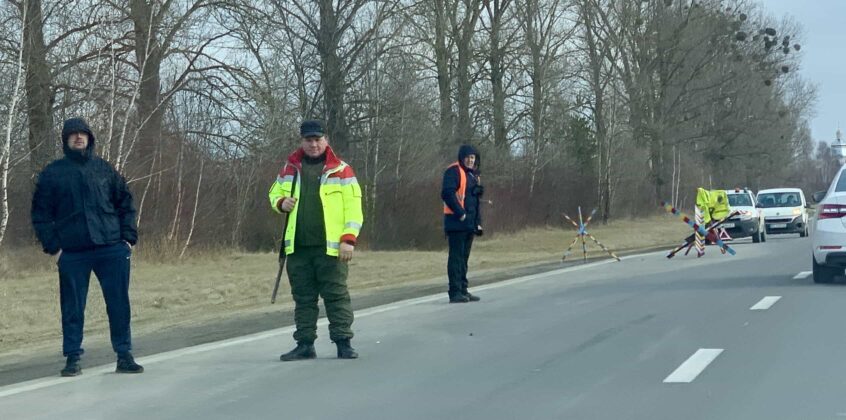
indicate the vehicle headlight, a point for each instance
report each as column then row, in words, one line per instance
column 746, row 215
column 797, row 212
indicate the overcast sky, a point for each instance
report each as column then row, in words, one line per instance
column 824, row 51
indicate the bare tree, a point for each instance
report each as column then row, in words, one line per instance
column 545, row 35
column 193, row 213
column 502, row 39
column 6, row 148
column 339, row 31
column 39, row 91
column 464, row 28
column 599, row 74
column 441, row 44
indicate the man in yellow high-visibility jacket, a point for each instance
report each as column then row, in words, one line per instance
column 323, row 199
column 713, row 204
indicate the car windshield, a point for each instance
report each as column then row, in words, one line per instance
column 841, row 183
column 740, row 200
column 782, row 199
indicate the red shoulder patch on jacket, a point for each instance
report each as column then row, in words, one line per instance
column 296, row 159
column 287, row 169
column 347, row 172
column 332, row 160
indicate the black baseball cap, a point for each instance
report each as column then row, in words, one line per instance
column 312, row 128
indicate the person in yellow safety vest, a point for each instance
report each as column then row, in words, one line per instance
column 713, row 204
column 703, row 203
column 322, row 196
column 719, row 206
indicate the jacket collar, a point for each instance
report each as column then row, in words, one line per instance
column 332, row 160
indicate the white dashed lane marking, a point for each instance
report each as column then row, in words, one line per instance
column 765, row 303
column 693, row 366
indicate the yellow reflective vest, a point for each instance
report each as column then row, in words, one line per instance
column 340, row 194
column 713, row 204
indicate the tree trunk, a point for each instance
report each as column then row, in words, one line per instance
column 333, row 78
column 464, row 128
column 174, row 227
column 194, row 214
column 6, row 149
column 442, row 55
column 148, row 54
column 597, row 83
column 496, row 60
column 146, row 190
column 464, row 81
column 39, row 90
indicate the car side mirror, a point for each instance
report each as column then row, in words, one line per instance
column 818, row 196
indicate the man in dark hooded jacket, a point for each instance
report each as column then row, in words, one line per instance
column 461, row 194
column 82, row 210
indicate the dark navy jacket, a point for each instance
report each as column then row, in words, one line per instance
column 473, row 192
column 80, row 201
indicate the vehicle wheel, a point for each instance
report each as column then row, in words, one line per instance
column 824, row 274
column 756, row 237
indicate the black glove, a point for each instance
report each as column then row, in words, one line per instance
column 479, row 190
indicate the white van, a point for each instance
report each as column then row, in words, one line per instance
column 785, row 210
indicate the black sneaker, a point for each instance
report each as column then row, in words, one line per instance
column 345, row 350
column 303, row 351
column 459, row 299
column 126, row 364
column 472, row 298
column 72, row 367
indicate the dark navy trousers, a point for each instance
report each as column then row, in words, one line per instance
column 459, row 256
column 111, row 266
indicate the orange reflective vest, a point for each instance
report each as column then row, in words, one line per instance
column 462, row 187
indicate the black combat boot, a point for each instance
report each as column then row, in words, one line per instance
column 303, row 351
column 72, row 366
column 472, row 297
column 126, row 364
column 345, row 350
column 459, row 298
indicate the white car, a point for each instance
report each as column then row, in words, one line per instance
column 785, row 211
column 829, row 241
column 750, row 221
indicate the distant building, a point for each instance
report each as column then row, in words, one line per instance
column 838, row 148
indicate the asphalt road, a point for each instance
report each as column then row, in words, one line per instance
column 721, row 337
